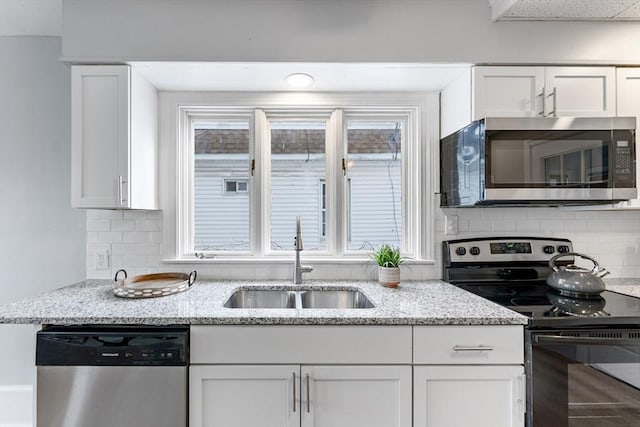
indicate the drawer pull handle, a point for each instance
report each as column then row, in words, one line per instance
column 472, row 348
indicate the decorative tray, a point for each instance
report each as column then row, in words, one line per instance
column 153, row 285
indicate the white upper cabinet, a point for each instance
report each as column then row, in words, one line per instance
column 527, row 91
column 580, row 91
column 543, row 92
column 114, row 138
column 507, row 92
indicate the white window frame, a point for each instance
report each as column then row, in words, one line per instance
column 410, row 168
column 419, row 185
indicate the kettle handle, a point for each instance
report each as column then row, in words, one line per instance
column 552, row 261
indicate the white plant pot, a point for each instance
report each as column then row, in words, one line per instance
column 389, row 277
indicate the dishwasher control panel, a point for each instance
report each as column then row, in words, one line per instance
column 112, row 346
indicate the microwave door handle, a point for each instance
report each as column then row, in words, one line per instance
column 561, row 339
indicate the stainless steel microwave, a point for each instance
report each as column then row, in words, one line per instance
column 539, row 161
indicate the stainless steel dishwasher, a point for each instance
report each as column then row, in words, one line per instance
column 112, row 376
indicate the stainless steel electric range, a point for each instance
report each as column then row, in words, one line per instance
column 582, row 355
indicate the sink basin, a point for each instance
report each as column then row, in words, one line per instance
column 339, row 299
column 262, row 298
column 302, row 299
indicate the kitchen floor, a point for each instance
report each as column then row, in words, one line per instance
column 598, row 400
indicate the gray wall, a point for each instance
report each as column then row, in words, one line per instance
column 333, row 30
column 42, row 240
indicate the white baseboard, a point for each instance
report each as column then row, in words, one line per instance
column 16, row 406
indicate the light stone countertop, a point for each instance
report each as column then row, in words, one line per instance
column 430, row 302
column 627, row 286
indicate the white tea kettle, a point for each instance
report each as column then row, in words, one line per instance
column 576, row 281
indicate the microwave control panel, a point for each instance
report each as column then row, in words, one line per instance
column 623, row 160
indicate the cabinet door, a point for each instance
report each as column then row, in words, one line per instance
column 628, row 105
column 580, row 91
column 244, row 396
column 469, row 396
column 356, row 396
column 100, row 113
column 507, row 92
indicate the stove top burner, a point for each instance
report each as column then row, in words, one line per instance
column 526, row 301
column 494, row 291
column 512, row 272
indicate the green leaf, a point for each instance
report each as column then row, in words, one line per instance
column 387, row 256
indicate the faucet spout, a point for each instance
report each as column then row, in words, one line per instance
column 298, row 238
column 298, row 269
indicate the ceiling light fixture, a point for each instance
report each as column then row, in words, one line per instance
column 299, row 80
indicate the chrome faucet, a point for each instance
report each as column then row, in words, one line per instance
column 297, row 268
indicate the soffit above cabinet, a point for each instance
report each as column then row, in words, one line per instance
column 568, row 10
column 328, row 77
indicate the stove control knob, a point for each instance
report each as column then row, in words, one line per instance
column 474, row 250
column 461, row 251
column 563, row 249
column 548, row 249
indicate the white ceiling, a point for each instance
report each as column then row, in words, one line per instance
column 574, row 10
column 44, row 18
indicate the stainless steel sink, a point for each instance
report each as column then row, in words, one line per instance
column 337, row 299
column 303, row 299
column 262, row 298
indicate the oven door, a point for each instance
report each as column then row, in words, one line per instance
column 583, row 378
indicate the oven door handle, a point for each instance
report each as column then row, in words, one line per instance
column 562, row 339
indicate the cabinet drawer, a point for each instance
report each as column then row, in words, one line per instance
column 301, row 344
column 468, row 345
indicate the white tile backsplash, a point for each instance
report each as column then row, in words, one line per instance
column 611, row 237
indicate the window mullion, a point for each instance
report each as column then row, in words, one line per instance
column 186, row 192
column 410, row 194
column 335, row 187
column 260, row 188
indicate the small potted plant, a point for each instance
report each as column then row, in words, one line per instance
column 388, row 259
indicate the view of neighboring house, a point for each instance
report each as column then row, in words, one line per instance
column 298, row 186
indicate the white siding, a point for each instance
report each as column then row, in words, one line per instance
column 374, row 195
column 296, row 192
column 222, row 220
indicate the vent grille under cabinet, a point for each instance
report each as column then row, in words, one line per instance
column 616, row 334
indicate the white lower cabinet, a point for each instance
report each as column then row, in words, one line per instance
column 356, row 396
column 356, row 376
column 468, row 376
column 244, row 396
column 469, row 396
column 294, row 395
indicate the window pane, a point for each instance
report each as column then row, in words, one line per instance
column 374, row 193
column 221, row 206
column 297, row 173
column 231, row 186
